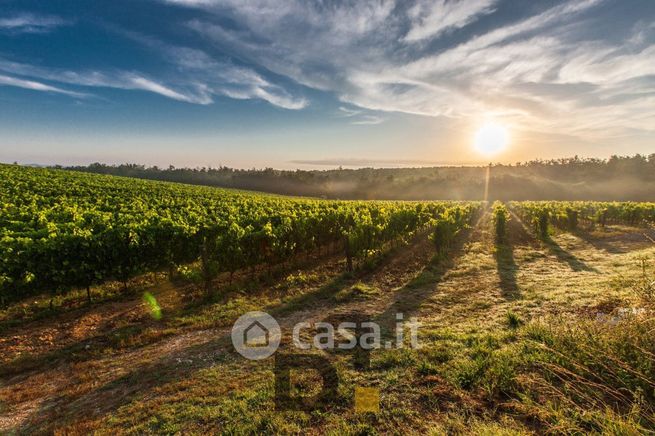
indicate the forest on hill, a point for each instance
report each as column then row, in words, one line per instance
column 630, row 178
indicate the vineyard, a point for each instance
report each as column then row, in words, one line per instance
column 61, row 230
column 535, row 317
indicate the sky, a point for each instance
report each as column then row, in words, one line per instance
column 318, row 84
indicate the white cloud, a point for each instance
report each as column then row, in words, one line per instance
column 138, row 82
column 432, row 18
column 204, row 77
column 96, row 79
column 36, row 86
column 359, row 116
column 368, row 120
column 607, row 65
column 278, row 98
column 199, row 80
column 482, row 75
column 545, row 70
column 348, row 112
column 30, row 23
column 194, row 77
column 228, row 79
column 541, row 70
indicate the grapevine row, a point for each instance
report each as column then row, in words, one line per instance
column 61, row 230
column 568, row 214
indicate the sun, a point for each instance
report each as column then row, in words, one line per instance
column 492, row 138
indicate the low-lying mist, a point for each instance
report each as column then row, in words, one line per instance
column 618, row 178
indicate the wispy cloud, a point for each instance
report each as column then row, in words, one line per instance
column 549, row 70
column 96, row 79
column 218, row 77
column 138, row 82
column 30, row 23
column 367, row 120
column 36, row 86
column 200, row 81
column 432, row 18
column 348, row 112
column 359, row 116
column 544, row 64
column 193, row 77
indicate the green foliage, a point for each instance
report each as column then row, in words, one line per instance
column 540, row 223
column 571, row 219
column 536, row 213
column 447, row 226
column 500, row 216
column 567, row 215
column 189, row 274
column 62, row 230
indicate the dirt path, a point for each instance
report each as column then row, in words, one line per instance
column 82, row 325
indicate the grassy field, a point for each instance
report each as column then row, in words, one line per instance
column 518, row 337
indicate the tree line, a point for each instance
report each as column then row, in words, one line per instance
column 613, row 179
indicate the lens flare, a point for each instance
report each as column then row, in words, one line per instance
column 153, row 307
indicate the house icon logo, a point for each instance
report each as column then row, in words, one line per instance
column 256, row 335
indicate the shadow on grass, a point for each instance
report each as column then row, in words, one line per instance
column 598, row 243
column 326, row 293
column 517, row 235
column 75, row 305
column 507, row 269
column 126, row 338
column 410, row 297
column 567, row 257
column 518, row 227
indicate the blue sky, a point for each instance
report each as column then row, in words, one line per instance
column 254, row 83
